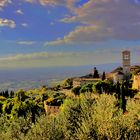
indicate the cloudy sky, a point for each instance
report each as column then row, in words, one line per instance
column 47, row 33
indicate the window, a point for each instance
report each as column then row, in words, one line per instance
column 126, row 57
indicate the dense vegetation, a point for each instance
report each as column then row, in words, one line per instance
column 96, row 111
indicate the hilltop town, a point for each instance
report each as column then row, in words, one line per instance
column 117, row 75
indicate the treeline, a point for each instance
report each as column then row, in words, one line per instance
column 7, row 94
column 121, row 90
column 22, row 103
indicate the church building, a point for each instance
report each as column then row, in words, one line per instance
column 118, row 74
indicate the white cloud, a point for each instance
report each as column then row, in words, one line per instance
column 19, row 11
column 52, row 23
column 48, row 59
column 82, row 34
column 68, row 3
column 19, row 57
column 57, row 59
column 26, row 42
column 24, row 25
column 30, row 1
column 35, row 56
column 104, row 19
column 7, row 22
column 4, row 3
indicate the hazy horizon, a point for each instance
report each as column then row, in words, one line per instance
column 33, row 78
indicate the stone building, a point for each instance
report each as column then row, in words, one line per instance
column 134, row 68
column 118, row 76
column 83, row 81
column 51, row 109
column 119, row 73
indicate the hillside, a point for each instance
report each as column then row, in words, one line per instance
column 84, row 114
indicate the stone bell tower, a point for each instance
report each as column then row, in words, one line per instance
column 126, row 61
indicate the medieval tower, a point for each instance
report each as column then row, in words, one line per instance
column 126, row 61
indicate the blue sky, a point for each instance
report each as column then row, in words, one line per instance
column 47, row 33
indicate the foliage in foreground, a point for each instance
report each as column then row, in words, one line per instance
column 81, row 118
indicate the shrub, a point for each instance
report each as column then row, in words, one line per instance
column 76, row 90
column 84, row 117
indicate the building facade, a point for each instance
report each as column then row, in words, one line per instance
column 136, row 82
column 83, row 81
column 118, row 77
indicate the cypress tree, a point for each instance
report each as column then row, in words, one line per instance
column 122, row 100
column 118, row 90
column 103, row 76
column 95, row 74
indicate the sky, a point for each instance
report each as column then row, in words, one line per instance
column 58, row 33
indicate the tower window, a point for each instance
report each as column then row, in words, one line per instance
column 126, row 57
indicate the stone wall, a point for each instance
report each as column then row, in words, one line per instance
column 136, row 82
column 51, row 109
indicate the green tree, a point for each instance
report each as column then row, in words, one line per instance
column 68, row 83
column 103, row 76
column 6, row 94
column 96, row 74
column 7, row 106
column 118, row 90
column 21, row 95
column 46, row 128
column 70, row 115
column 86, row 88
column 76, row 90
column 122, row 100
